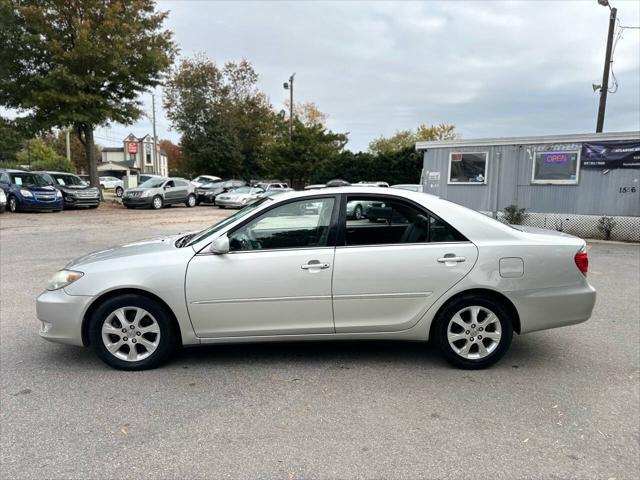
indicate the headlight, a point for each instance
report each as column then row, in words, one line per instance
column 63, row 278
column 25, row 193
column 146, row 193
column 58, row 193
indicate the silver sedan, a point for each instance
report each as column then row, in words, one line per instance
column 295, row 267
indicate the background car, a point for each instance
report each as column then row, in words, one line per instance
column 357, row 209
column 75, row 192
column 146, row 176
column 316, row 186
column 202, row 179
column 372, row 184
column 239, row 197
column 3, row 201
column 112, row 183
column 208, row 192
column 159, row 192
column 27, row 191
column 268, row 187
column 412, row 187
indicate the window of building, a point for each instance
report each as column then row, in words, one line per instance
column 468, row 168
column 389, row 221
column 556, row 167
column 303, row 224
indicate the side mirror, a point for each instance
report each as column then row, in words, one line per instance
column 220, row 245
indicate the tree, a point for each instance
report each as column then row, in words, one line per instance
column 58, row 141
column 39, row 155
column 308, row 113
column 225, row 122
column 80, row 62
column 310, row 145
column 11, row 140
column 175, row 159
column 407, row 138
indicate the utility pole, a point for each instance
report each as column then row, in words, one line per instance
column 289, row 86
column 604, row 88
column 68, row 145
column 155, row 140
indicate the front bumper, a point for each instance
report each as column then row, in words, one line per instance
column 137, row 201
column 206, row 197
column 29, row 203
column 231, row 203
column 74, row 202
column 61, row 316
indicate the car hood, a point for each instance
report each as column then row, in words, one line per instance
column 139, row 248
column 48, row 188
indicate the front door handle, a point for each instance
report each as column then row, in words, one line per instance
column 451, row 258
column 314, row 264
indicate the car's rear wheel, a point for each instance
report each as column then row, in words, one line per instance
column 119, row 191
column 474, row 332
column 357, row 213
column 132, row 332
column 13, row 204
column 191, row 201
column 157, row 202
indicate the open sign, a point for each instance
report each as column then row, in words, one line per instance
column 555, row 158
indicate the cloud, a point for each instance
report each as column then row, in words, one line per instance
column 491, row 68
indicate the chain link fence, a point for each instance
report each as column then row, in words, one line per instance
column 585, row 226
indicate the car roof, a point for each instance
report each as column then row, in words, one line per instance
column 13, row 170
column 55, row 173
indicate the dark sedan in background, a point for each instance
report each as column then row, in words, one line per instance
column 75, row 191
column 208, row 192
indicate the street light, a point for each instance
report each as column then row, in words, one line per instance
column 289, row 86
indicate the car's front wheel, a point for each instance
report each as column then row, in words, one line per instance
column 132, row 332
column 474, row 332
column 157, row 202
column 191, row 201
column 13, row 204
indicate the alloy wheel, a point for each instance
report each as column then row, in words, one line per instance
column 157, row 203
column 13, row 206
column 474, row 332
column 131, row 334
column 358, row 212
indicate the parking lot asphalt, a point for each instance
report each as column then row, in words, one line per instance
column 562, row 404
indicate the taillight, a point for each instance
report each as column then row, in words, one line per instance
column 582, row 261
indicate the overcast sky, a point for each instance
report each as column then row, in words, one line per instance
column 490, row 68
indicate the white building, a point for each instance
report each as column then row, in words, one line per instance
column 134, row 157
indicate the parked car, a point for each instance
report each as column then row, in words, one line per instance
column 158, row 192
column 441, row 272
column 372, row 184
column 239, row 197
column 357, row 209
column 27, row 191
column 146, row 176
column 268, row 187
column 202, row 179
column 3, row 201
column 112, row 183
column 412, row 187
column 75, row 191
column 208, row 192
column 317, row 186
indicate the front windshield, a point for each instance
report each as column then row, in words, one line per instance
column 62, row 179
column 220, row 225
column 153, row 183
column 28, row 180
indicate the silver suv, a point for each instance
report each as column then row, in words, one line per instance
column 160, row 191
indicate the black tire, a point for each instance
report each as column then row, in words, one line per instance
column 168, row 332
column 191, row 201
column 357, row 212
column 129, row 206
column 93, row 206
column 221, row 206
column 119, row 191
column 12, row 204
column 442, row 325
column 157, row 203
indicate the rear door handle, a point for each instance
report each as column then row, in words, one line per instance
column 313, row 264
column 447, row 259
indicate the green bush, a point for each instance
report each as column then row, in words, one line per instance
column 38, row 155
column 514, row 215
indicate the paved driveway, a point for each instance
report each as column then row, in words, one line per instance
column 561, row 404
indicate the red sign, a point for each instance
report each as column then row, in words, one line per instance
column 132, row 147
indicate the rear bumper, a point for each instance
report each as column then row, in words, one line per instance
column 61, row 316
column 542, row 309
